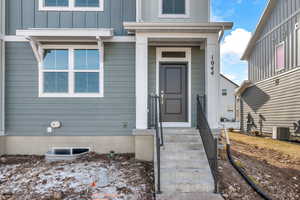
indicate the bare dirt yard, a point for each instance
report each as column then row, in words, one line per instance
column 273, row 165
column 93, row 176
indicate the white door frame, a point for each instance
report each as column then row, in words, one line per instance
column 187, row 59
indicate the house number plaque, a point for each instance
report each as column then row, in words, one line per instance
column 212, row 62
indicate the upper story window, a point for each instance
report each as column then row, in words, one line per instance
column 71, row 72
column 174, row 8
column 224, row 92
column 71, row 5
column 280, row 56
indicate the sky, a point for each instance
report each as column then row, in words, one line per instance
column 245, row 15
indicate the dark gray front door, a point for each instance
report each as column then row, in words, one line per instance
column 173, row 87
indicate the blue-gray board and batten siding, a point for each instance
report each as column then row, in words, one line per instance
column 197, row 76
column 280, row 26
column 24, row 14
column 29, row 115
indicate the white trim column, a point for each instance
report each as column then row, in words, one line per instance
column 141, row 81
column 212, row 82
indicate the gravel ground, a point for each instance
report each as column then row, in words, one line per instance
column 278, row 174
column 92, row 177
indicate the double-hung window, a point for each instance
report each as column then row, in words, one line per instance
column 71, row 5
column 71, row 72
column 174, row 8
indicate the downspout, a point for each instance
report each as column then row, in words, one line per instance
column 221, row 34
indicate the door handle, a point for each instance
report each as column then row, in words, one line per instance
column 162, row 94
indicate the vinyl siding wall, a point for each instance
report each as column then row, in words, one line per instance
column 2, row 31
column 227, row 103
column 197, row 75
column 278, row 104
column 1, row 86
column 24, row 14
column 28, row 115
column 199, row 11
column 280, row 27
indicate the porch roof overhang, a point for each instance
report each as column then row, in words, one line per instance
column 65, row 34
column 205, row 27
column 240, row 90
column 38, row 37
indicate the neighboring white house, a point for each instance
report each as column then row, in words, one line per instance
column 228, row 101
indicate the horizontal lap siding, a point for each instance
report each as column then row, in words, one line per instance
column 279, row 27
column 26, row 114
column 197, row 75
column 24, row 14
column 278, row 104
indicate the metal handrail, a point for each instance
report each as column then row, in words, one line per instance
column 210, row 143
column 155, row 121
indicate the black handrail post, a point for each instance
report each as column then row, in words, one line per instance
column 156, row 122
column 216, row 166
column 157, row 145
column 160, row 121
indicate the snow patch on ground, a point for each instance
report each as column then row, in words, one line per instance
column 42, row 179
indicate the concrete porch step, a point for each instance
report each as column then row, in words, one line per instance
column 185, row 172
column 182, row 139
column 188, row 188
column 186, row 176
column 183, row 156
column 189, row 196
column 180, row 131
column 182, row 146
column 188, row 164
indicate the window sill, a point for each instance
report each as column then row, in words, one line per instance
column 179, row 16
column 62, row 95
column 71, row 9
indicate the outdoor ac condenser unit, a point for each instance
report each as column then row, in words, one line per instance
column 281, row 133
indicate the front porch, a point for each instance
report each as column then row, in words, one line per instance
column 178, row 62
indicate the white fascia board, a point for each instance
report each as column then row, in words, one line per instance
column 179, row 25
column 63, row 32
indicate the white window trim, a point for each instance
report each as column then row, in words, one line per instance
column 186, row 15
column 71, row 7
column 282, row 68
column 71, row 71
column 188, row 60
